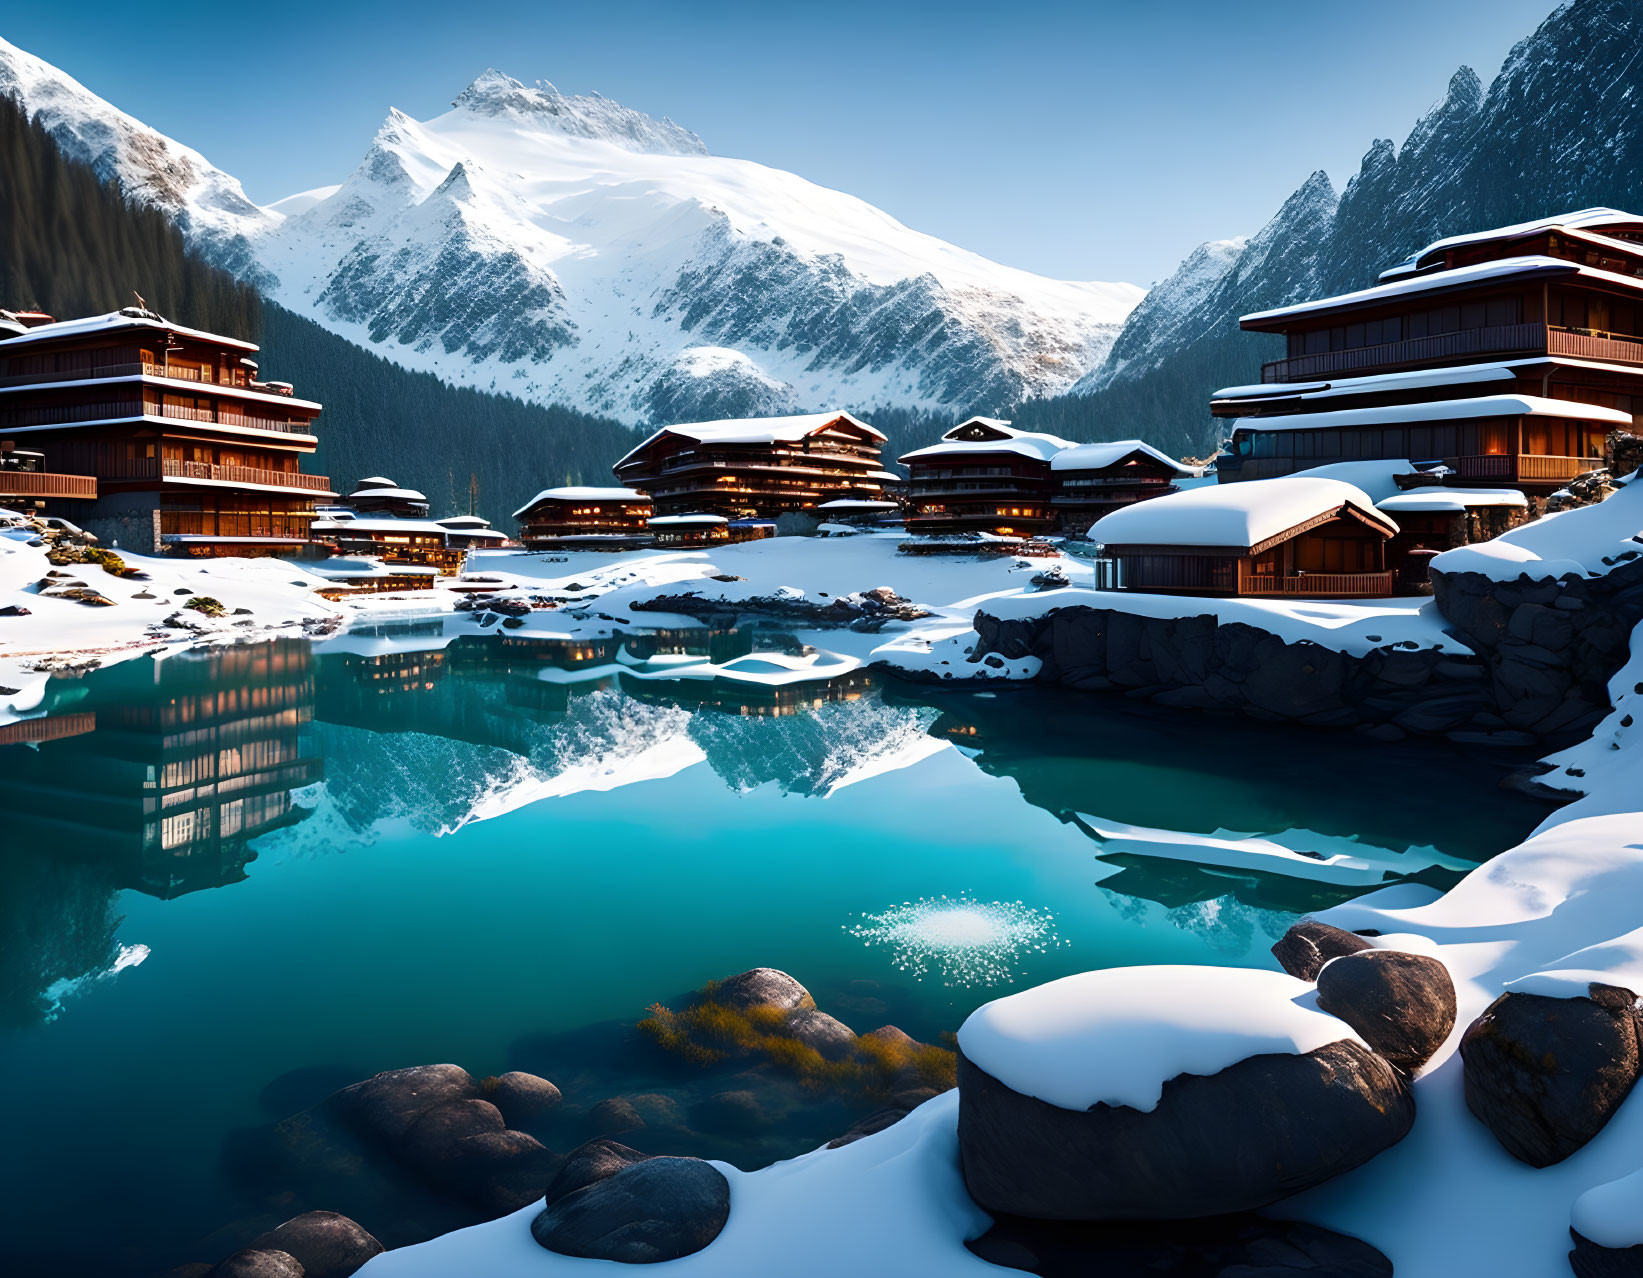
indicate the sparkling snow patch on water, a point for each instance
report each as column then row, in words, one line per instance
column 964, row 942
column 69, row 987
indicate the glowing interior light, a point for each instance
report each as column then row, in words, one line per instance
column 960, row 940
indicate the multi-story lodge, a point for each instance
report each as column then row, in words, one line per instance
column 419, row 542
column 1506, row 355
column 757, row 468
column 1092, row 480
column 585, row 518
column 984, row 476
column 192, row 453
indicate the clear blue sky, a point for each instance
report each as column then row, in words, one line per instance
column 1086, row 141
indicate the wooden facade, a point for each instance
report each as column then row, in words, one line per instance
column 757, row 468
column 192, row 453
column 1093, row 480
column 25, row 483
column 1467, row 350
column 585, row 518
column 1338, row 550
column 419, row 542
column 983, row 477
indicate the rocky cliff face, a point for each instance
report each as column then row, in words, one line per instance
column 1558, row 129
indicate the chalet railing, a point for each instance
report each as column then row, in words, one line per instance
column 1604, row 346
column 129, row 368
column 1522, row 467
column 117, row 410
column 1499, row 339
column 244, row 475
column 34, row 483
column 1333, row 584
column 49, row 728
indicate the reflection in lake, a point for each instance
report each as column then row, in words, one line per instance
column 494, row 850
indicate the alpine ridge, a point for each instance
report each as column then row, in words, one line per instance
column 1558, row 129
column 570, row 250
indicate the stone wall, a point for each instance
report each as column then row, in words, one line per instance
column 1542, row 655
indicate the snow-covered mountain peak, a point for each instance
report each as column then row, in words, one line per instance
column 594, row 116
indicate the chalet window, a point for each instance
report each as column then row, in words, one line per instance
column 1491, row 438
column 1317, row 341
column 1354, row 336
column 1473, row 315
column 1446, row 319
column 1502, row 311
column 1417, row 324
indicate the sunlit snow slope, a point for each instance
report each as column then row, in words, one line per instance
column 571, row 250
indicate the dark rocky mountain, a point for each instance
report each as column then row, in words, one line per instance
column 1560, row 128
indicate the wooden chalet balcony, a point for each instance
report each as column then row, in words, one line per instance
column 34, row 483
column 132, row 368
column 1502, row 339
column 1336, row 585
column 120, row 410
column 173, row 469
column 1522, row 468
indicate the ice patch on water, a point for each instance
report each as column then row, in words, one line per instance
column 958, row 939
column 71, row 987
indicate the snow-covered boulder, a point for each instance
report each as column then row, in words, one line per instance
column 1166, row 1093
column 1545, row 1074
column 1308, row 945
column 1402, row 1004
column 1606, row 1224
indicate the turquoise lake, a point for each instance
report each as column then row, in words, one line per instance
column 236, row 878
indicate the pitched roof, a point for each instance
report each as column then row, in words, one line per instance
column 1097, row 456
column 582, row 493
column 1233, row 516
column 1577, row 220
column 119, row 321
column 754, row 430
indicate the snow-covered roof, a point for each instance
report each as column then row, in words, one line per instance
column 119, row 321
column 379, row 525
column 1535, row 264
column 1442, row 500
column 686, row 521
column 852, row 503
column 1043, row 447
column 1376, row 478
column 583, row 493
column 158, row 378
column 477, row 534
column 1461, row 375
column 1097, row 456
column 1591, row 219
column 754, row 430
column 1439, row 410
column 1235, row 516
column 464, row 521
column 1004, row 428
column 1576, row 541
column 1116, row 1036
column 376, row 481
column 402, row 494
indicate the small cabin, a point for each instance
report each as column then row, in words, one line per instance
column 1293, row 536
column 1433, row 518
column 396, row 541
column 585, row 518
column 1093, row 480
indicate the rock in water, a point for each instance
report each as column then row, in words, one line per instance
column 1402, row 1005
column 1593, row 1260
column 1545, row 1074
column 655, row 1210
column 1305, row 948
column 762, row 987
column 254, row 1263
column 521, row 1097
column 1606, row 1223
column 1260, row 1130
column 832, row 1038
column 324, row 1243
column 386, row 1104
column 1224, row 1247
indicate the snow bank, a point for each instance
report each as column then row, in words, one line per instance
column 1584, row 541
column 1611, row 1215
column 1117, row 1036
